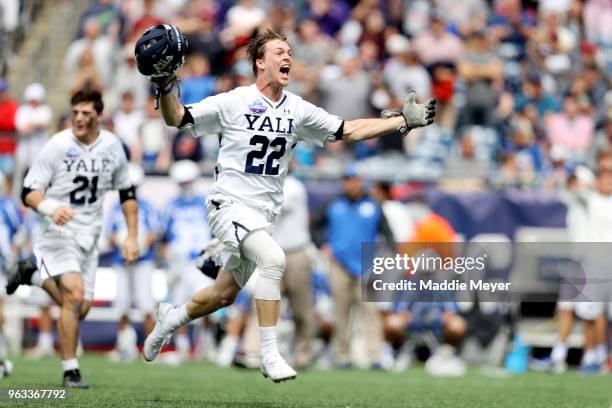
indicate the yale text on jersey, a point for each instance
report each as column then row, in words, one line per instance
column 268, row 124
column 91, row 166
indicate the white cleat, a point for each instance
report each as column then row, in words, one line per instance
column 277, row 370
column 159, row 337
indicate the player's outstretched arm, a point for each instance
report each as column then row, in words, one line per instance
column 413, row 115
column 171, row 109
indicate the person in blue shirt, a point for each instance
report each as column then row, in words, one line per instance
column 185, row 233
column 352, row 219
column 10, row 224
column 134, row 281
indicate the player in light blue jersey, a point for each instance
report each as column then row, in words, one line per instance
column 10, row 224
column 134, row 281
column 185, row 233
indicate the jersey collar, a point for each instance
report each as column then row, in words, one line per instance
column 88, row 147
column 270, row 102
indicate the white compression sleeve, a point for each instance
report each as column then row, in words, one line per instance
column 260, row 248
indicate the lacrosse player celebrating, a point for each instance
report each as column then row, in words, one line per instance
column 258, row 127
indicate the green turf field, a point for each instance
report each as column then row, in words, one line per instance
column 202, row 385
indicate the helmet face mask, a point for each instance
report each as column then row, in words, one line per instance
column 160, row 51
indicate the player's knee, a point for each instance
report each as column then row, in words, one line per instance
column 225, row 297
column 456, row 327
column 74, row 296
column 273, row 264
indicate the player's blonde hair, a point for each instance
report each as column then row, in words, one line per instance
column 257, row 46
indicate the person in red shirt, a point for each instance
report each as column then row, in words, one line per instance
column 8, row 109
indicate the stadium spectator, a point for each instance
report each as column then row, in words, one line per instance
column 310, row 46
column 8, row 143
column 570, row 129
column 33, row 120
column 464, row 17
column 342, row 82
column 147, row 19
column 197, row 82
column 154, row 137
column 602, row 141
column 86, row 75
column 402, row 71
column 329, row 15
column 533, row 92
column 100, row 45
column 107, row 15
column 437, row 45
column 126, row 124
column 127, row 79
column 481, row 69
column 352, row 219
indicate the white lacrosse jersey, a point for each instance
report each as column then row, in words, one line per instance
column 257, row 137
column 79, row 175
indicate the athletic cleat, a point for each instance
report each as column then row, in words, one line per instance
column 25, row 270
column 277, row 370
column 72, row 379
column 159, row 337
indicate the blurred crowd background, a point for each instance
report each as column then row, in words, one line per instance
column 522, row 86
column 524, row 103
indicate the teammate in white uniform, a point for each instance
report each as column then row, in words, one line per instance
column 66, row 185
column 259, row 127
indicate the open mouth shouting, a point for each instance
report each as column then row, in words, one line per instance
column 284, row 71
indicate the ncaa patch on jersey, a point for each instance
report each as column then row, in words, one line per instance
column 257, row 107
column 72, row 153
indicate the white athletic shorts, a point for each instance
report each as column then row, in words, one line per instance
column 57, row 255
column 134, row 286
column 230, row 221
column 566, row 305
column 190, row 280
column 590, row 310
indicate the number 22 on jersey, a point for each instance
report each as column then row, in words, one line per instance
column 271, row 165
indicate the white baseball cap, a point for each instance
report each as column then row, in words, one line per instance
column 34, row 92
column 184, row 171
column 136, row 173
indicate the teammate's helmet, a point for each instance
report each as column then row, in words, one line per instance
column 184, row 171
column 160, row 50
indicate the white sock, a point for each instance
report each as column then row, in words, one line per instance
column 45, row 341
column 601, row 353
column 589, row 357
column 181, row 341
column 37, row 279
column 559, row 353
column 177, row 317
column 269, row 347
column 68, row 365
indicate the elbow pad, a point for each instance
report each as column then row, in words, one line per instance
column 127, row 194
column 24, row 193
column 187, row 118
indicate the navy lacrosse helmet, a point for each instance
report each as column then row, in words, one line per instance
column 160, row 50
